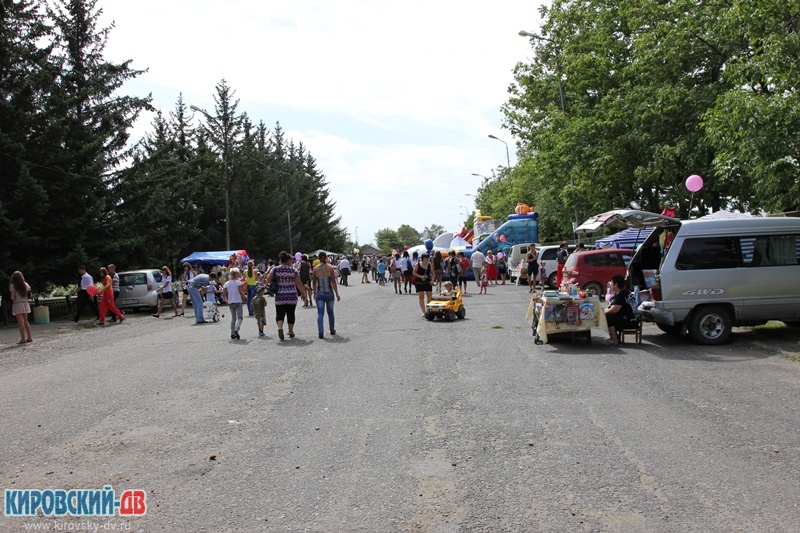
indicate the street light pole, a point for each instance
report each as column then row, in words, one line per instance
column 508, row 158
column 288, row 208
column 224, row 175
column 530, row 35
column 288, row 216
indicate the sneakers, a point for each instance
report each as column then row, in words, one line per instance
column 260, row 333
column 333, row 332
column 321, row 335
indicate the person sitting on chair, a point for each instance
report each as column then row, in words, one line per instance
column 619, row 313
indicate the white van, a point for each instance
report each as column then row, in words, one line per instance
column 706, row 276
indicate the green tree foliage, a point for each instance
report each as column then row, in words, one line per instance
column 160, row 182
column 64, row 130
column 75, row 193
column 653, row 92
column 754, row 126
column 432, row 231
column 271, row 180
column 387, row 240
column 408, row 236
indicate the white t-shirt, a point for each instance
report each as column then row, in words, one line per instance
column 232, row 291
column 166, row 283
column 477, row 259
column 344, row 263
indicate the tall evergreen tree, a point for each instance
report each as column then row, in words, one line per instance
column 26, row 77
column 75, row 129
column 224, row 133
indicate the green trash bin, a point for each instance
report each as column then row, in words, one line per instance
column 41, row 314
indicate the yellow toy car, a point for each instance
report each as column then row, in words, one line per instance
column 446, row 307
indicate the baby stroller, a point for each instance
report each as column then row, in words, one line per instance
column 210, row 311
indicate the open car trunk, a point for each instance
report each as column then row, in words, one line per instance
column 646, row 263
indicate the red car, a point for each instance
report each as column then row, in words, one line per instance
column 593, row 269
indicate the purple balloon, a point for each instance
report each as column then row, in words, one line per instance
column 694, row 183
column 298, row 256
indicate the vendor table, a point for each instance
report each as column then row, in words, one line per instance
column 555, row 316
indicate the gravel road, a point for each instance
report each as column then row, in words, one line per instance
column 399, row 424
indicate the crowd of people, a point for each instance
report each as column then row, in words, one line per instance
column 244, row 285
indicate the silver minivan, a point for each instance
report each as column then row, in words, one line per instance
column 708, row 275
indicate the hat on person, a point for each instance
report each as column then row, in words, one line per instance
column 260, row 289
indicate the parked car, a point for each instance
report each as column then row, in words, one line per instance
column 137, row 289
column 706, row 276
column 592, row 270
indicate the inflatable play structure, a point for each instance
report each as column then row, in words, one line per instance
column 487, row 234
column 521, row 227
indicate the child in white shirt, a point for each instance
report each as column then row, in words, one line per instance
column 448, row 289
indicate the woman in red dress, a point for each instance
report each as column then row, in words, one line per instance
column 491, row 268
column 107, row 298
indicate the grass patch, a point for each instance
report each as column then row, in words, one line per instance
column 498, row 327
column 778, row 331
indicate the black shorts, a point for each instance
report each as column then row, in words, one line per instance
column 167, row 296
column 533, row 269
column 424, row 287
column 617, row 321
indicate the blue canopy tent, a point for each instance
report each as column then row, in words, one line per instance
column 212, row 258
column 627, row 239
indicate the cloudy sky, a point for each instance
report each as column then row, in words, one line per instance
column 394, row 100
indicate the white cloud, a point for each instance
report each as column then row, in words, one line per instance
column 394, row 100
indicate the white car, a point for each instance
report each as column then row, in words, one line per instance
column 137, row 289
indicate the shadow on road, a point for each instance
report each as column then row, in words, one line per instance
column 745, row 345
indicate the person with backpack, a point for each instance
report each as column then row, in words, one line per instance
column 452, row 268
